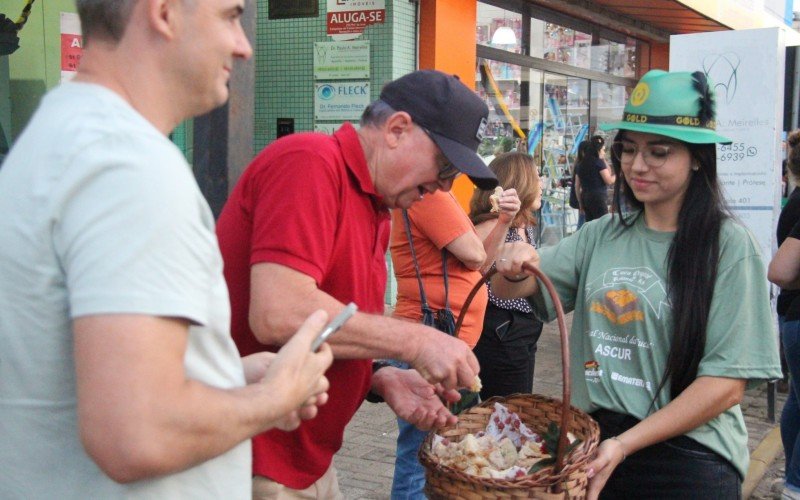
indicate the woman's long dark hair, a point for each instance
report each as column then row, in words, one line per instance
column 589, row 151
column 691, row 261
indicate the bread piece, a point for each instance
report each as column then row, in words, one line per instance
column 494, row 199
column 476, row 385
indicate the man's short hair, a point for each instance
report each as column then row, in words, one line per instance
column 376, row 114
column 104, row 19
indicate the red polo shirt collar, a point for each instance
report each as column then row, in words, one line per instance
column 354, row 159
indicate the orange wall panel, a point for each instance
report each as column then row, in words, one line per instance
column 447, row 43
column 659, row 56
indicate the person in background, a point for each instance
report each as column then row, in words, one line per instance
column 784, row 271
column 118, row 375
column 790, row 215
column 592, row 178
column 437, row 223
column 307, row 227
column 574, row 199
column 672, row 318
column 507, row 346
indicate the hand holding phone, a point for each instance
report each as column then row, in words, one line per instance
column 334, row 325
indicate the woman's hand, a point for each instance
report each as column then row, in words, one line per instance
column 511, row 281
column 509, row 204
column 513, row 255
column 609, row 455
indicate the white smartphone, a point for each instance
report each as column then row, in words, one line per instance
column 334, row 325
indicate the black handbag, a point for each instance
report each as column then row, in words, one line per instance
column 441, row 319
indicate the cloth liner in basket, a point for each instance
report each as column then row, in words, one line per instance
column 566, row 479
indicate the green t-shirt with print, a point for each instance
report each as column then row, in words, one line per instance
column 615, row 279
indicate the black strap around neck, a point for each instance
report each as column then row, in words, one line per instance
column 422, row 296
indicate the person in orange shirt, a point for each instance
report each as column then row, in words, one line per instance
column 437, row 223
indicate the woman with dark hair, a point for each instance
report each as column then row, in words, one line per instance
column 784, row 271
column 672, row 316
column 506, row 349
column 592, row 178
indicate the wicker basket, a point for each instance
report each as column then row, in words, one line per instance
column 566, row 479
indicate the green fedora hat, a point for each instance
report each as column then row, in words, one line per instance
column 677, row 104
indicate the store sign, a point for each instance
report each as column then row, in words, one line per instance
column 340, row 100
column 747, row 69
column 71, row 45
column 347, row 19
column 341, row 60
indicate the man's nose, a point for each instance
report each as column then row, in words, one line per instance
column 243, row 48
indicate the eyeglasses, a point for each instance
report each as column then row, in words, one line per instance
column 447, row 170
column 654, row 155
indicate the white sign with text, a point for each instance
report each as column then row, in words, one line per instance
column 341, row 60
column 344, row 100
column 747, row 70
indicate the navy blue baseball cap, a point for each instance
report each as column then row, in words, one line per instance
column 454, row 116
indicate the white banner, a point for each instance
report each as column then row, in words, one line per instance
column 747, row 69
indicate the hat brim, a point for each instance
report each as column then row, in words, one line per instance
column 467, row 161
column 685, row 134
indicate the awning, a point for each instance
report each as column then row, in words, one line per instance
column 656, row 20
column 668, row 15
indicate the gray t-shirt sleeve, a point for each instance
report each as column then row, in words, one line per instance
column 130, row 233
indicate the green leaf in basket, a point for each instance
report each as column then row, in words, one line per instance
column 550, row 438
column 541, row 464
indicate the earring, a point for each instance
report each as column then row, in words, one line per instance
column 695, row 167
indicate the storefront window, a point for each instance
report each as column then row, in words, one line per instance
column 608, row 101
column 499, row 28
column 503, row 87
column 566, row 123
column 615, row 58
column 548, row 109
column 561, row 44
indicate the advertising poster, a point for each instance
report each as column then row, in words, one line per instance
column 747, row 69
column 71, row 45
column 344, row 100
column 347, row 19
column 341, row 60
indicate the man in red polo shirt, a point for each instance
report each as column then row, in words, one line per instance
column 307, row 227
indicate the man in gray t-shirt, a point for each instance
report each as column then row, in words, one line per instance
column 118, row 376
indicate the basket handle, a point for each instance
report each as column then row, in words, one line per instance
column 562, row 328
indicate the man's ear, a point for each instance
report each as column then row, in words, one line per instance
column 396, row 126
column 164, row 16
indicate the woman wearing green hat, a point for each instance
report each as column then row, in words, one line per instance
column 672, row 317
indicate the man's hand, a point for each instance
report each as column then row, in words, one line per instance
column 255, row 368
column 413, row 399
column 442, row 359
column 298, row 373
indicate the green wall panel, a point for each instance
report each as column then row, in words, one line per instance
column 36, row 66
column 284, row 63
